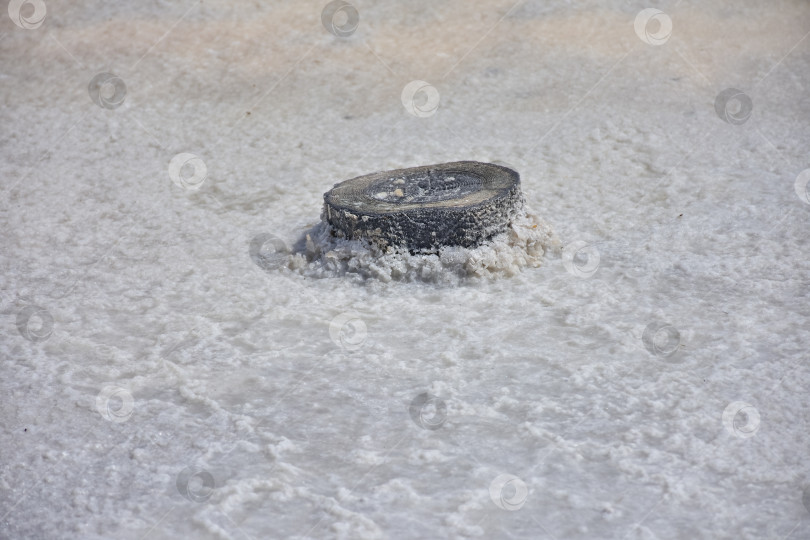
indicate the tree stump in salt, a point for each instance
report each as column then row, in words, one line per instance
column 422, row 209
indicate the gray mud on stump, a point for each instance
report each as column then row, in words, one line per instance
column 422, row 209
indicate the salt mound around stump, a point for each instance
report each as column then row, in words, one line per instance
column 321, row 253
column 437, row 223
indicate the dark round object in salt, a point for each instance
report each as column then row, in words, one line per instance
column 463, row 203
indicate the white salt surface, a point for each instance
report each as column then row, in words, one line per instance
column 158, row 383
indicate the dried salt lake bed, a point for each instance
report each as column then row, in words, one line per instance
column 165, row 373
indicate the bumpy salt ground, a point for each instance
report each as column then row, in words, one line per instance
column 164, row 376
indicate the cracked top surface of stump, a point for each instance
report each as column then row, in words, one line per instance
column 423, row 208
